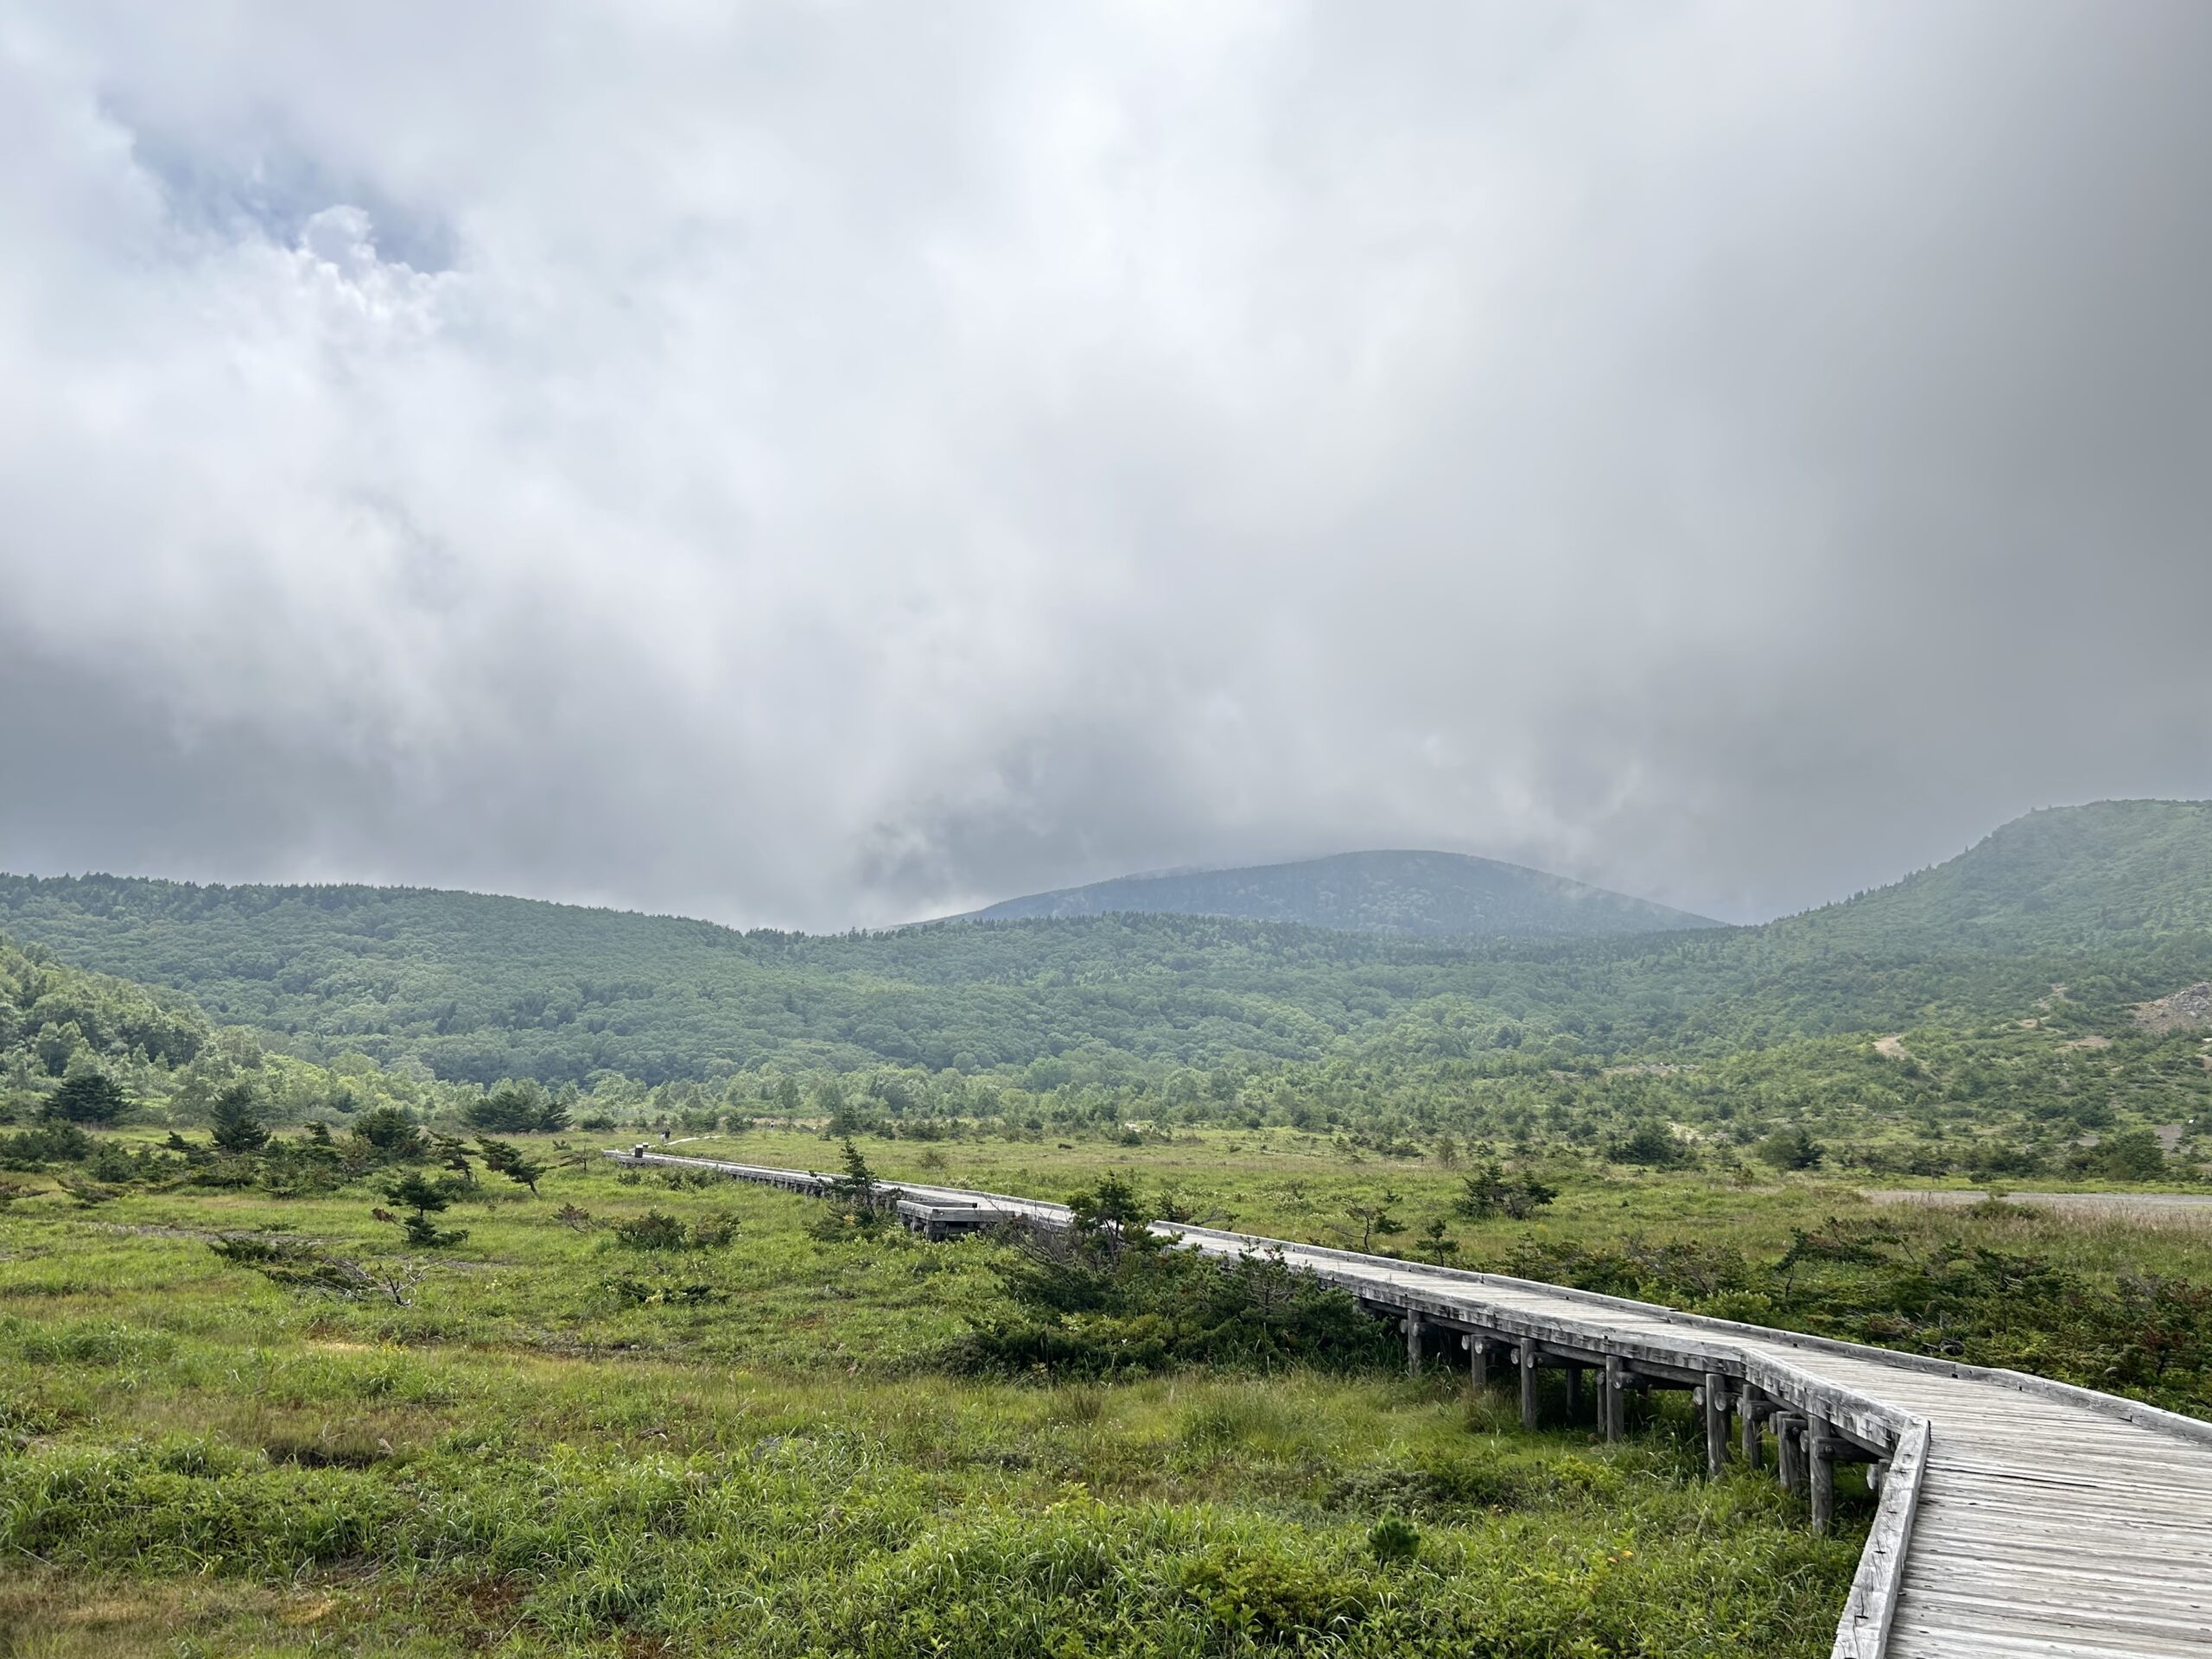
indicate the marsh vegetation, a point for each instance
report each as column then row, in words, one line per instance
column 638, row 1415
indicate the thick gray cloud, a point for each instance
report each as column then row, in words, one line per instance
column 817, row 464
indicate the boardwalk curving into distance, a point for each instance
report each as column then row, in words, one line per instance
column 2018, row 1516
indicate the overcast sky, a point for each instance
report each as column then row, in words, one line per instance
column 834, row 463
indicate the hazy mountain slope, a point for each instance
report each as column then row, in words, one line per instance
column 2109, row 899
column 480, row 986
column 2054, row 879
column 1435, row 894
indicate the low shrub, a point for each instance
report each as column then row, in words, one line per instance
column 55, row 1142
column 656, row 1231
column 1393, row 1538
column 1110, row 1298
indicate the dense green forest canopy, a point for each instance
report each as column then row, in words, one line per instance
column 2061, row 879
column 2114, row 901
column 1976, row 1015
column 1431, row 894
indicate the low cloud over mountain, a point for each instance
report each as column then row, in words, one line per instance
column 831, row 465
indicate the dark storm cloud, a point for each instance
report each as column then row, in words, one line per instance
column 817, row 465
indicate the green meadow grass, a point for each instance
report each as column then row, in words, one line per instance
column 525, row 1459
column 1285, row 1184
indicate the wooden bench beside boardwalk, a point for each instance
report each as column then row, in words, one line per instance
column 2019, row 1518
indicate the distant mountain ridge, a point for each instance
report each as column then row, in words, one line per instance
column 1423, row 894
column 2113, row 900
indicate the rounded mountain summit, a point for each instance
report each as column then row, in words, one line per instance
column 1432, row 894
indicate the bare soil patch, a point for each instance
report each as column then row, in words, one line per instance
column 2184, row 1008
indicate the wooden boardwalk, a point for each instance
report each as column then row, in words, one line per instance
column 2019, row 1518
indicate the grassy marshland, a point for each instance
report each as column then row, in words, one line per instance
column 560, row 1444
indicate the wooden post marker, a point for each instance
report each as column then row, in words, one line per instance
column 1820, row 1448
column 1715, row 1396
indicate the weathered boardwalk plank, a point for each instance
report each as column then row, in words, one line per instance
column 2019, row 1517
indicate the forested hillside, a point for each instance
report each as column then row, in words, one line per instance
column 478, row 988
column 2059, row 879
column 1128, row 1015
column 1430, row 894
column 50, row 1013
column 484, row 987
column 89, row 1049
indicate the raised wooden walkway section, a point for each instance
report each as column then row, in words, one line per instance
column 2019, row 1518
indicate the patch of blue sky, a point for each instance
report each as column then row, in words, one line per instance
column 255, row 183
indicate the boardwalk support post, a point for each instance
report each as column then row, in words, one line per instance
column 1748, row 1412
column 1413, row 1344
column 1715, row 1396
column 1477, row 1360
column 1788, row 1451
column 1528, row 1383
column 1613, row 1400
column 1820, row 1448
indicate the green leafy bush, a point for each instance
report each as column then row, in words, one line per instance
column 1393, row 1538
column 1490, row 1190
column 1650, row 1143
column 655, row 1231
column 238, row 1127
column 88, row 1097
column 517, row 1109
column 56, row 1142
column 1790, row 1148
column 1107, row 1297
column 1292, row 1601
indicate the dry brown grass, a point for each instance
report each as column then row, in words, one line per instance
column 47, row 1615
column 2069, row 1211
